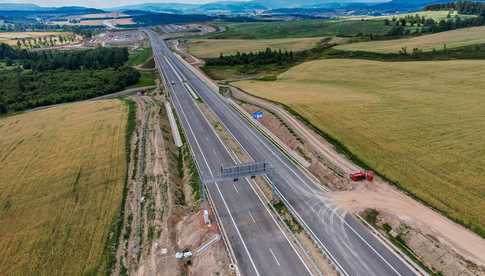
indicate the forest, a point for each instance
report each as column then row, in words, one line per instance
column 33, row 79
column 463, row 7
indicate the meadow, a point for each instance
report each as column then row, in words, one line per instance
column 211, row 48
column 62, row 174
column 420, row 124
column 438, row 41
column 302, row 28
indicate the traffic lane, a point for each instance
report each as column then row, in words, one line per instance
column 267, row 259
column 273, row 253
column 389, row 259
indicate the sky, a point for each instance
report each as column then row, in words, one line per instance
column 97, row 3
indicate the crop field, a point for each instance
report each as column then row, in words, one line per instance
column 418, row 123
column 62, row 174
column 210, row 48
column 302, row 28
column 452, row 39
column 11, row 38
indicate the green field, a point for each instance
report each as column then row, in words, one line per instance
column 418, row 123
column 452, row 39
column 61, row 180
column 302, row 28
column 139, row 56
column 211, row 48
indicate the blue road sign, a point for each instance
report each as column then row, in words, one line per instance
column 258, row 115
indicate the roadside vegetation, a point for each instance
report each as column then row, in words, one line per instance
column 421, row 114
column 61, row 185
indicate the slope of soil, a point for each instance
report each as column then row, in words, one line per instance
column 61, row 180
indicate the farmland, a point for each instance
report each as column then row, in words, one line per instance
column 417, row 123
column 302, row 28
column 210, row 48
column 452, row 39
column 11, row 38
column 61, row 180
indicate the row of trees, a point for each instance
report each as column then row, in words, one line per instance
column 268, row 56
column 432, row 26
column 98, row 58
column 464, row 7
column 46, row 41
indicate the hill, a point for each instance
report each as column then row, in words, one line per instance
column 61, row 184
column 438, row 41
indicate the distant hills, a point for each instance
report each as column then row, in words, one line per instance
column 301, row 6
column 24, row 8
column 238, row 7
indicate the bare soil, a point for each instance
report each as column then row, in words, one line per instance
column 161, row 214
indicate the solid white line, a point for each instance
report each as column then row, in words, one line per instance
column 235, row 188
column 236, row 160
column 217, row 186
column 304, row 182
column 274, row 256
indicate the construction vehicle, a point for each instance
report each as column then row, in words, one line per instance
column 362, row 175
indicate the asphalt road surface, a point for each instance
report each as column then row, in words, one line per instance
column 351, row 246
column 259, row 245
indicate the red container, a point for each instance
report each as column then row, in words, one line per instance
column 369, row 175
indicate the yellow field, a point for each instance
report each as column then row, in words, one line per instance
column 435, row 15
column 452, row 39
column 11, row 38
column 100, row 22
column 62, row 173
column 419, row 123
column 209, row 48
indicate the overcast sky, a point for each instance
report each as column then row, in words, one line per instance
column 97, row 3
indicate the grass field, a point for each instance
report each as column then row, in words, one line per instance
column 61, row 180
column 147, row 78
column 452, row 39
column 210, row 48
column 302, row 28
column 139, row 56
column 418, row 123
column 11, row 38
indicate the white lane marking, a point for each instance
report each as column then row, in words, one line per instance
column 234, row 158
column 304, row 182
column 274, row 256
column 217, row 186
column 252, row 218
column 235, row 188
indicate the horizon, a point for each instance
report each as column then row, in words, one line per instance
column 102, row 4
column 118, row 3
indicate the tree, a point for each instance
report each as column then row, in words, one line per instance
column 19, row 44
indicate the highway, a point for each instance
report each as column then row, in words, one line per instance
column 351, row 246
column 259, row 245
